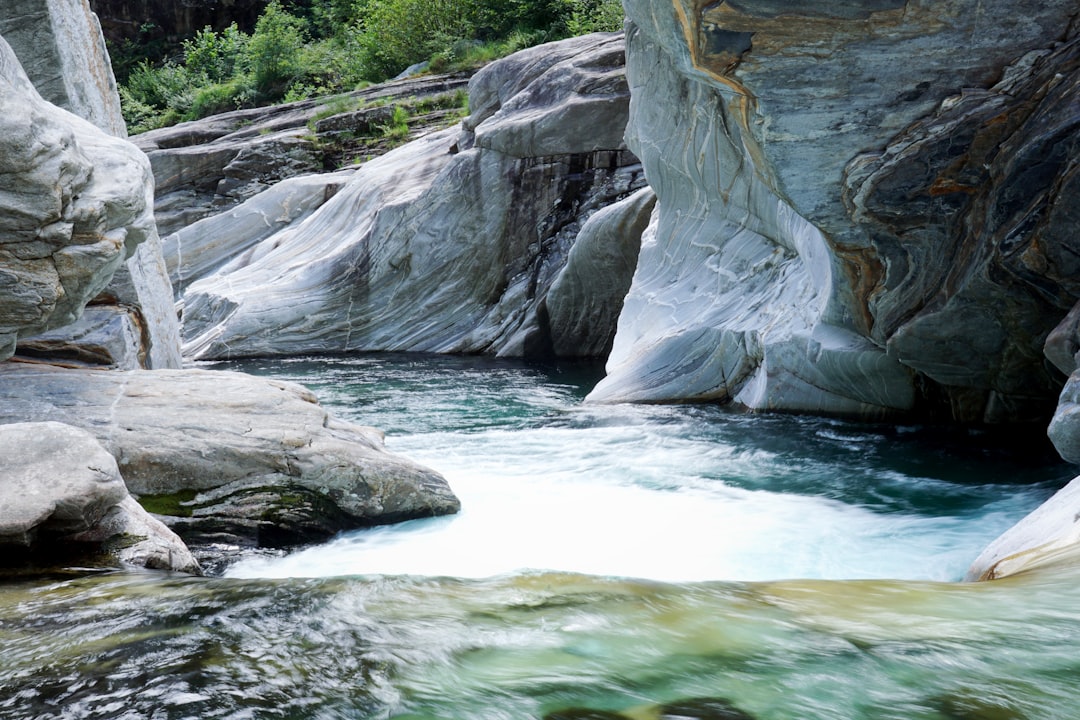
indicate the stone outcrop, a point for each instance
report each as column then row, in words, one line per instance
column 1049, row 536
column 835, row 235
column 62, row 499
column 63, row 52
column 61, row 47
column 450, row 243
column 226, row 457
column 75, row 203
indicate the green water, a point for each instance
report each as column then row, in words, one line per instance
column 444, row 619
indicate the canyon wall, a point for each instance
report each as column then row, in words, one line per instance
column 863, row 209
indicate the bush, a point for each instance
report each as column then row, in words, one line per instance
column 218, row 58
column 274, row 51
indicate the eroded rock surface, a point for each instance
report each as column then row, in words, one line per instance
column 1050, row 535
column 852, row 217
column 62, row 499
column 230, row 457
column 449, row 243
column 74, row 205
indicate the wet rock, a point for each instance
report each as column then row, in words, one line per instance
column 451, row 242
column 229, row 457
column 1049, row 535
column 583, row 714
column 702, row 709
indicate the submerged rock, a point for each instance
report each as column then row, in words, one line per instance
column 63, row 500
column 229, row 457
column 450, row 243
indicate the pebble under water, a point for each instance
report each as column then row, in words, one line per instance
column 609, row 562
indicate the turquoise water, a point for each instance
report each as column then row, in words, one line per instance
column 609, row 562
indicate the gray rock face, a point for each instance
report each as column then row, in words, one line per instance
column 62, row 499
column 818, row 249
column 206, row 167
column 63, row 51
column 449, row 243
column 61, row 48
column 75, row 203
column 230, row 457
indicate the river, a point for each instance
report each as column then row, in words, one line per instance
column 609, row 561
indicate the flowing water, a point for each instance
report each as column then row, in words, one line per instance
column 609, row 561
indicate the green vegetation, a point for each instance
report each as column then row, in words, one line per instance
column 310, row 48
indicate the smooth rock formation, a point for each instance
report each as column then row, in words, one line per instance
column 75, row 203
column 229, row 457
column 61, row 48
column 63, row 51
column 62, row 499
column 449, row 243
column 1050, row 535
column 853, row 218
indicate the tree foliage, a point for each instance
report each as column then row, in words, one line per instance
column 306, row 48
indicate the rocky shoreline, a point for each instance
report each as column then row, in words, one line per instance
column 680, row 200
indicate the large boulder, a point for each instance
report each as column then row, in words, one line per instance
column 229, row 457
column 62, row 499
column 63, row 52
column 853, row 217
column 74, row 205
column 451, row 242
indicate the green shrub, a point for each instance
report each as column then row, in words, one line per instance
column 274, row 51
column 220, row 58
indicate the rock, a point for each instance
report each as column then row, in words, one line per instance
column 791, row 264
column 708, row 708
column 75, row 203
column 137, row 539
column 206, row 167
column 62, row 499
column 230, row 457
column 58, row 480
column 63, row 52
column 1047, row 536
column 1064, row 430
column 232, row 237
column 583, row 304
column 451, row 242
column 105, row 335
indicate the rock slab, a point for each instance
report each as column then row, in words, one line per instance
column 229, row 457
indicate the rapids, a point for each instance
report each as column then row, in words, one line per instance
column 678, row 561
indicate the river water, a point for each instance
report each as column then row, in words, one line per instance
column 609, row 561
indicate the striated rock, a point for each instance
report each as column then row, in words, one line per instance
column 1049, row 535
column 230, row 457
column 62, row 499
column 75, row 203
column 232, row 237
column 843, row 225
column 583, row 304
column 63, row 52
column 449, row 243
column 105, row 335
